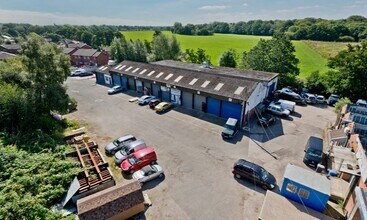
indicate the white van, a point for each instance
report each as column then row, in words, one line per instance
column 286, row 104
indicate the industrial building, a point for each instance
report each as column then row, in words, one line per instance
column 220, row 91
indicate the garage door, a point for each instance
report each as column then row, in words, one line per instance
column 147, row 88
column 156, row 89
column 166, row 96
column 231, row 110
column 213, row 106
column 187, row 99
column 124, row 82
column 116, row 80
column 100, row 78
column 139, row 86
column 131, row 84
column 198, row 102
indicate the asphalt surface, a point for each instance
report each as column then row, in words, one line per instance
column 197, row 162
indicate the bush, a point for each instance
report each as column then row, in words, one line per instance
column 346, row 39
column 339, row 105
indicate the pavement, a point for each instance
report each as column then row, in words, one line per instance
column 198, row 182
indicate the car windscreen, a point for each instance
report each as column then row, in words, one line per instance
column 314, row 153
column 231, row 127
column 116, row 142
column 264, row 174
column 132, row 160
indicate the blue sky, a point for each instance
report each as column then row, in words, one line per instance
column 166, row 12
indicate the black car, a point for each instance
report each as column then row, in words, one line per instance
column 292, row 97
column 333, row 99
column 313, row 151
column 230, row 128
column 254, row 173
column 266, row 120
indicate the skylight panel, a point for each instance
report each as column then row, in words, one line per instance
column 136, row 70
column 168, row 77
column 117, row 67
column 193, row 81
column 104, row 68
column 159, row 75
column 205, row 84
column 151, row 73
column 178, row 79
column 239, row 90
column 100, row 67
column 122, row 67
column 128, row 68
column 219, row 86
column 143, row 71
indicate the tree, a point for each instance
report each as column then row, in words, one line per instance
column 47, row 68
column 87, row 37
column 121, row 49
column 275, row 55
column 165, row 48
column 316, row 83
column 198, row 56
column 228, row 58
column 175, row 49
column 140, row 53
column 339, row 105
column 349, row 78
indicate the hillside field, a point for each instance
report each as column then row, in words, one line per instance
column 310, row 60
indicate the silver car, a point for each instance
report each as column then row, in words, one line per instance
column 145, row 99
column 278, row 110
column 117, row 144
column 148, row 173
column 128, row 149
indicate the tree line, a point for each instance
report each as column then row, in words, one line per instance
column 34, row 169
column 354, row 28
column 94, row 35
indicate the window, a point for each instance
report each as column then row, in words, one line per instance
column 291, row 188
column 303, row 193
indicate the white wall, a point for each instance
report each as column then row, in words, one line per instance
column 259, row 94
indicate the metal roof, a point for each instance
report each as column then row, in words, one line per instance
column 235, row 87
column 307, row 178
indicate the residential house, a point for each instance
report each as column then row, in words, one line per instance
column 89, row 57
column 11, row 48
column 306, row 187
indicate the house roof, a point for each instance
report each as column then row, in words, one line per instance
column 68, row 50
column 110, row 202
column 277, row 207
column 239, row 88
column 337, row 135
column 96, row 54
column 85, row 52
column 307, row 178
column 246, row 74
column 344, row 160
column 339, row 189
column 5, row 55
column 12, row 46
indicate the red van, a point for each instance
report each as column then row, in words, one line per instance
column 138, row 160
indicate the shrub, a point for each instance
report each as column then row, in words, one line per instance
column 339, row 105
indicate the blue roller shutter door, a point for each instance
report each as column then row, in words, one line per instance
column 124, row 82
column 155, row 90
column 131, row 83
column 116, row 80
column 166, row 96
column 100, row 78
column 271, row 89
column 231, row 110
column 213, row 106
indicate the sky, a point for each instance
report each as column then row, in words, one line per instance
column 166, row 12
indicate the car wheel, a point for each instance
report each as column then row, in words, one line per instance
column 237, row 176
column 161, row 175
column 153, row 163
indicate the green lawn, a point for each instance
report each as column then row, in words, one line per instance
column 215, row 45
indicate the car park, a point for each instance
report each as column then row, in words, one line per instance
column 361, row 102
column 333, row 99
column 114, row 90
column 254, row 174
column 310, row 98
column 277, row 110
column 286, row 104
column 163, row 106
column 128, row 149
column 320, row 99
column 148, row 173
column 119, row 143
column 265, row 120
column 154, row 102
column 138, row 160
column 145, row 99
column 313, row 151
column 230, row 128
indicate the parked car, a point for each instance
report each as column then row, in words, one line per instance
column 128, row 149
column 254, row 174
column 294, row 97
column 117, row 144
column 114, row 90
column 361, row 102
column 332, row 99
column 320, row 99
column 230, row 128
column 148, row 173
column 145, row 99
column 86, row 73
column 77, row 72
column 266, row 120
column 153, row 103
column 277, row 110
column 313, row 151
column 286, row 104
column 163, row 106
column 138, row 160
column 310, row 98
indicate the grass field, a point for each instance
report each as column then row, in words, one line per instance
column 327, row 49
column 310, row 60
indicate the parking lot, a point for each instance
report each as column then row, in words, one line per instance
column 197, row 162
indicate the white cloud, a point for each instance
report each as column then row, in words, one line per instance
column 214, row 7
column 244, row 4
column 17, row 16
